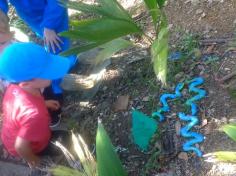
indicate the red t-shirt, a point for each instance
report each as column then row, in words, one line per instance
column 26, row 116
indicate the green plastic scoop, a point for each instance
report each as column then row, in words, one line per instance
column 143, row 128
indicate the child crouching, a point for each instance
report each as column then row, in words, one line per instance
column 28, row 68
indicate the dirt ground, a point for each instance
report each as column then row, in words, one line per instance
column 210, row 19
column 131, row 74
column 136, row 81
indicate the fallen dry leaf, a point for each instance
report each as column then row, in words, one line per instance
column 121, row 103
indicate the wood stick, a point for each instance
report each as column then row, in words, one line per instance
column 226, row 77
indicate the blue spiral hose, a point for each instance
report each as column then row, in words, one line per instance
column 165, row 106
column 200, row 94
column 185, row 131
column 193, row 120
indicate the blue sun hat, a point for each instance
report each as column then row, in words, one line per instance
column 26, row 61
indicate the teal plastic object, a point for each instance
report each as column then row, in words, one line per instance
column 143, row 129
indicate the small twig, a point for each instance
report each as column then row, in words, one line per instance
column 226, row 77
column 221, row 66
column 215, row 41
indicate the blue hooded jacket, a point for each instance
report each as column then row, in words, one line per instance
column 40, row 14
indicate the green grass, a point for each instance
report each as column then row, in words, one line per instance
column 188, row 46
column 152, row 163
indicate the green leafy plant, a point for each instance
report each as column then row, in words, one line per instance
column 225, row 156
column 111, row 48
column 86, row 165
column 190, row 42
column 109, row 22
column 230, row 130
column 188, row 48
column 107, row 163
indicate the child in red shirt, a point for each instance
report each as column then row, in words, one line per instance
column 54, row 101
column 28, row 68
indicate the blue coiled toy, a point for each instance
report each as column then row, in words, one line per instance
column 185, row 131
column 200, row 94
column 165, row 106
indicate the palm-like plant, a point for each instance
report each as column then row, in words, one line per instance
column 225, row 156
column 107, row 163
column 111, row 22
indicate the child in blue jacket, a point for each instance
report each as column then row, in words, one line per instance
column 46, row 18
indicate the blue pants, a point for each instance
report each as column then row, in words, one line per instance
column 66, row 45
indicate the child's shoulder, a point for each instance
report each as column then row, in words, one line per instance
column 16, row 93
column 23, row 102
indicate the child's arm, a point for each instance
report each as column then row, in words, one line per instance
column 55, row 17
column 23, row 148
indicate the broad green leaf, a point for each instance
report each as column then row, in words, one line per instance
column 77, row 24
column 160, row 3
column 153, row 10
column 230, row 130
column 225, row 156
column 160, row 64
column 66, row 171
column 163, row 33
column 101, row 29
column 108, row 163
column 112, row 9
column 111, row 48
column 81, row 48
column 159, row 50
column 160, row 42
column 105, row 8
column 82, row 7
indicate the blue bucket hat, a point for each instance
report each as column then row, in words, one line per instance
column 26, row 61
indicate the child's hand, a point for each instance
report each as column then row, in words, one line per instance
column 52, row 104
column 51, row 40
